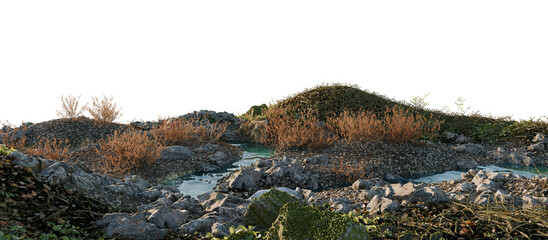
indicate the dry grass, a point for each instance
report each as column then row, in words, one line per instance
column 403, row 126
column 187, row 131
column 128, row 152
column 361, row 127
column 104, row 111
column 69, row 107
column 350, row 172
column 295, row 129
column 53, row 149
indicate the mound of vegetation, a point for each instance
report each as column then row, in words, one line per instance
column 31, row 208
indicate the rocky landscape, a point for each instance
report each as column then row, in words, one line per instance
column 340, row 191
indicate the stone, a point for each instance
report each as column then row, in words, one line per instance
column 463, row 139
column 245, row 180
column 207, row 148
column 201, row 225
column 527, row 161
column 415, row 193
column 470, row 148
column 381, row 204
column 467, row 164
column 218, row 158
column 166, row 217
column 367, row 184
column 262, row 211
column 259, row 193
column 218, row 200
column 317, row 160
column 131, row 227
column 537, row 147
column 176, row 153
column 540, row 138
column 190, row 204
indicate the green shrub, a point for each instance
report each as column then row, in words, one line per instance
column 264, row 210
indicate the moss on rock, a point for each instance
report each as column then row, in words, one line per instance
column 264, row 210
column 297, row 221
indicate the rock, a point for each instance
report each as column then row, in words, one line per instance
column 470, row 148
column 245, row 180
column 191, row 205
column 467, row 164
column 317, row 160
column 176, row 153
column 381, row 204
column 303, row 222
column 415, row 193
column 207, row 148
column 259, row 193
column 539, row 138
column 463, row 139
column 220, row 230
column 367, row 184
column 130, row 227
column 201, row 225
column 24, row 161
column 528, row 161
column 218, row 158
column 166, row 217
column 217, row 200
column 465, row 187
column 263, row 210
column 536, row 147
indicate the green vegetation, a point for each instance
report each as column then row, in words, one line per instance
column 5, row 150
column 239, row 233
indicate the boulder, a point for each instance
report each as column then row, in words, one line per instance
column 367, row 184
column 536, row 147
column 135, row 226
column 245, row 180
column 470, row 148
column 262, row 211
column 317, row 160
column 381, row 204
column 201, row 225
column 176, row 153
column 166, row 217
column 190, row 204
column 467, row 164
column 415, row 193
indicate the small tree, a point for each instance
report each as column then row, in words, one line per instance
column 69, row 107
column 104, row 111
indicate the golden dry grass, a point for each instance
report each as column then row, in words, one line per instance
column 359, row 127
column 404, row 125
column 128, row 151
column 187, row 131
column 53, row 149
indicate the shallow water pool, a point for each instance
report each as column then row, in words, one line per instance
column 201, row 182
column 514, row 169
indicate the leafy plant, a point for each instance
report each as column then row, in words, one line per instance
column 420, row 102
column 5, row 150
column 239, row 233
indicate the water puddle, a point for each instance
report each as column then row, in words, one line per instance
column 520, row 170
column 199, row 183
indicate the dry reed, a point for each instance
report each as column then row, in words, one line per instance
column 104, row 111
column 403, row 126
column 359, row 127
column 69, row 107
column 53, row 149
column 187, row 131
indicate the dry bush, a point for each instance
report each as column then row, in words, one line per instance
column 53, row 149
column 69, row 107
column 403, row 126
column 350, row 172
column 104, row 111
column 128, row 151
column 359, row 127
column 187, row 131
column 287, row 129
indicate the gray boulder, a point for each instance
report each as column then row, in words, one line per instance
column 467, row 164
column 166, row 217
column 246, row 179
column 317, row 160
column 367, row 184
column 135, row 226
column 176, row 153
column 201, row 225
column 415, row 193
column 381, row 204
column 470, row 148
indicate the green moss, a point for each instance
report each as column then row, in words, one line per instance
column 297, row 221
column 264, row 210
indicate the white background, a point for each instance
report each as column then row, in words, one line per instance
column 168, row 58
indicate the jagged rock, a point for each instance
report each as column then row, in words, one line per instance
column 36, row 164
column 317, row 160
column 263, row 210
column 218, row 158
column 176, row 153
column 245, row 180
column 536, row 147
column 166, row 217
column 190, row 204
column 467, row 164
column 201, row 225
column 259, row 193
column 470, row 148
column 217, row 200
column 123, row 225
column 415, row 193
column 539, row 138
column 367, row 184
column 381, row 204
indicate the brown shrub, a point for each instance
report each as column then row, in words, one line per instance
column 53, row 149
column 104, row 111
column 288, row 129
column 128, row 151
column 404, row 125
column 187, row 131
column 69, row 107
column 359, row 127
column 350, row 172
